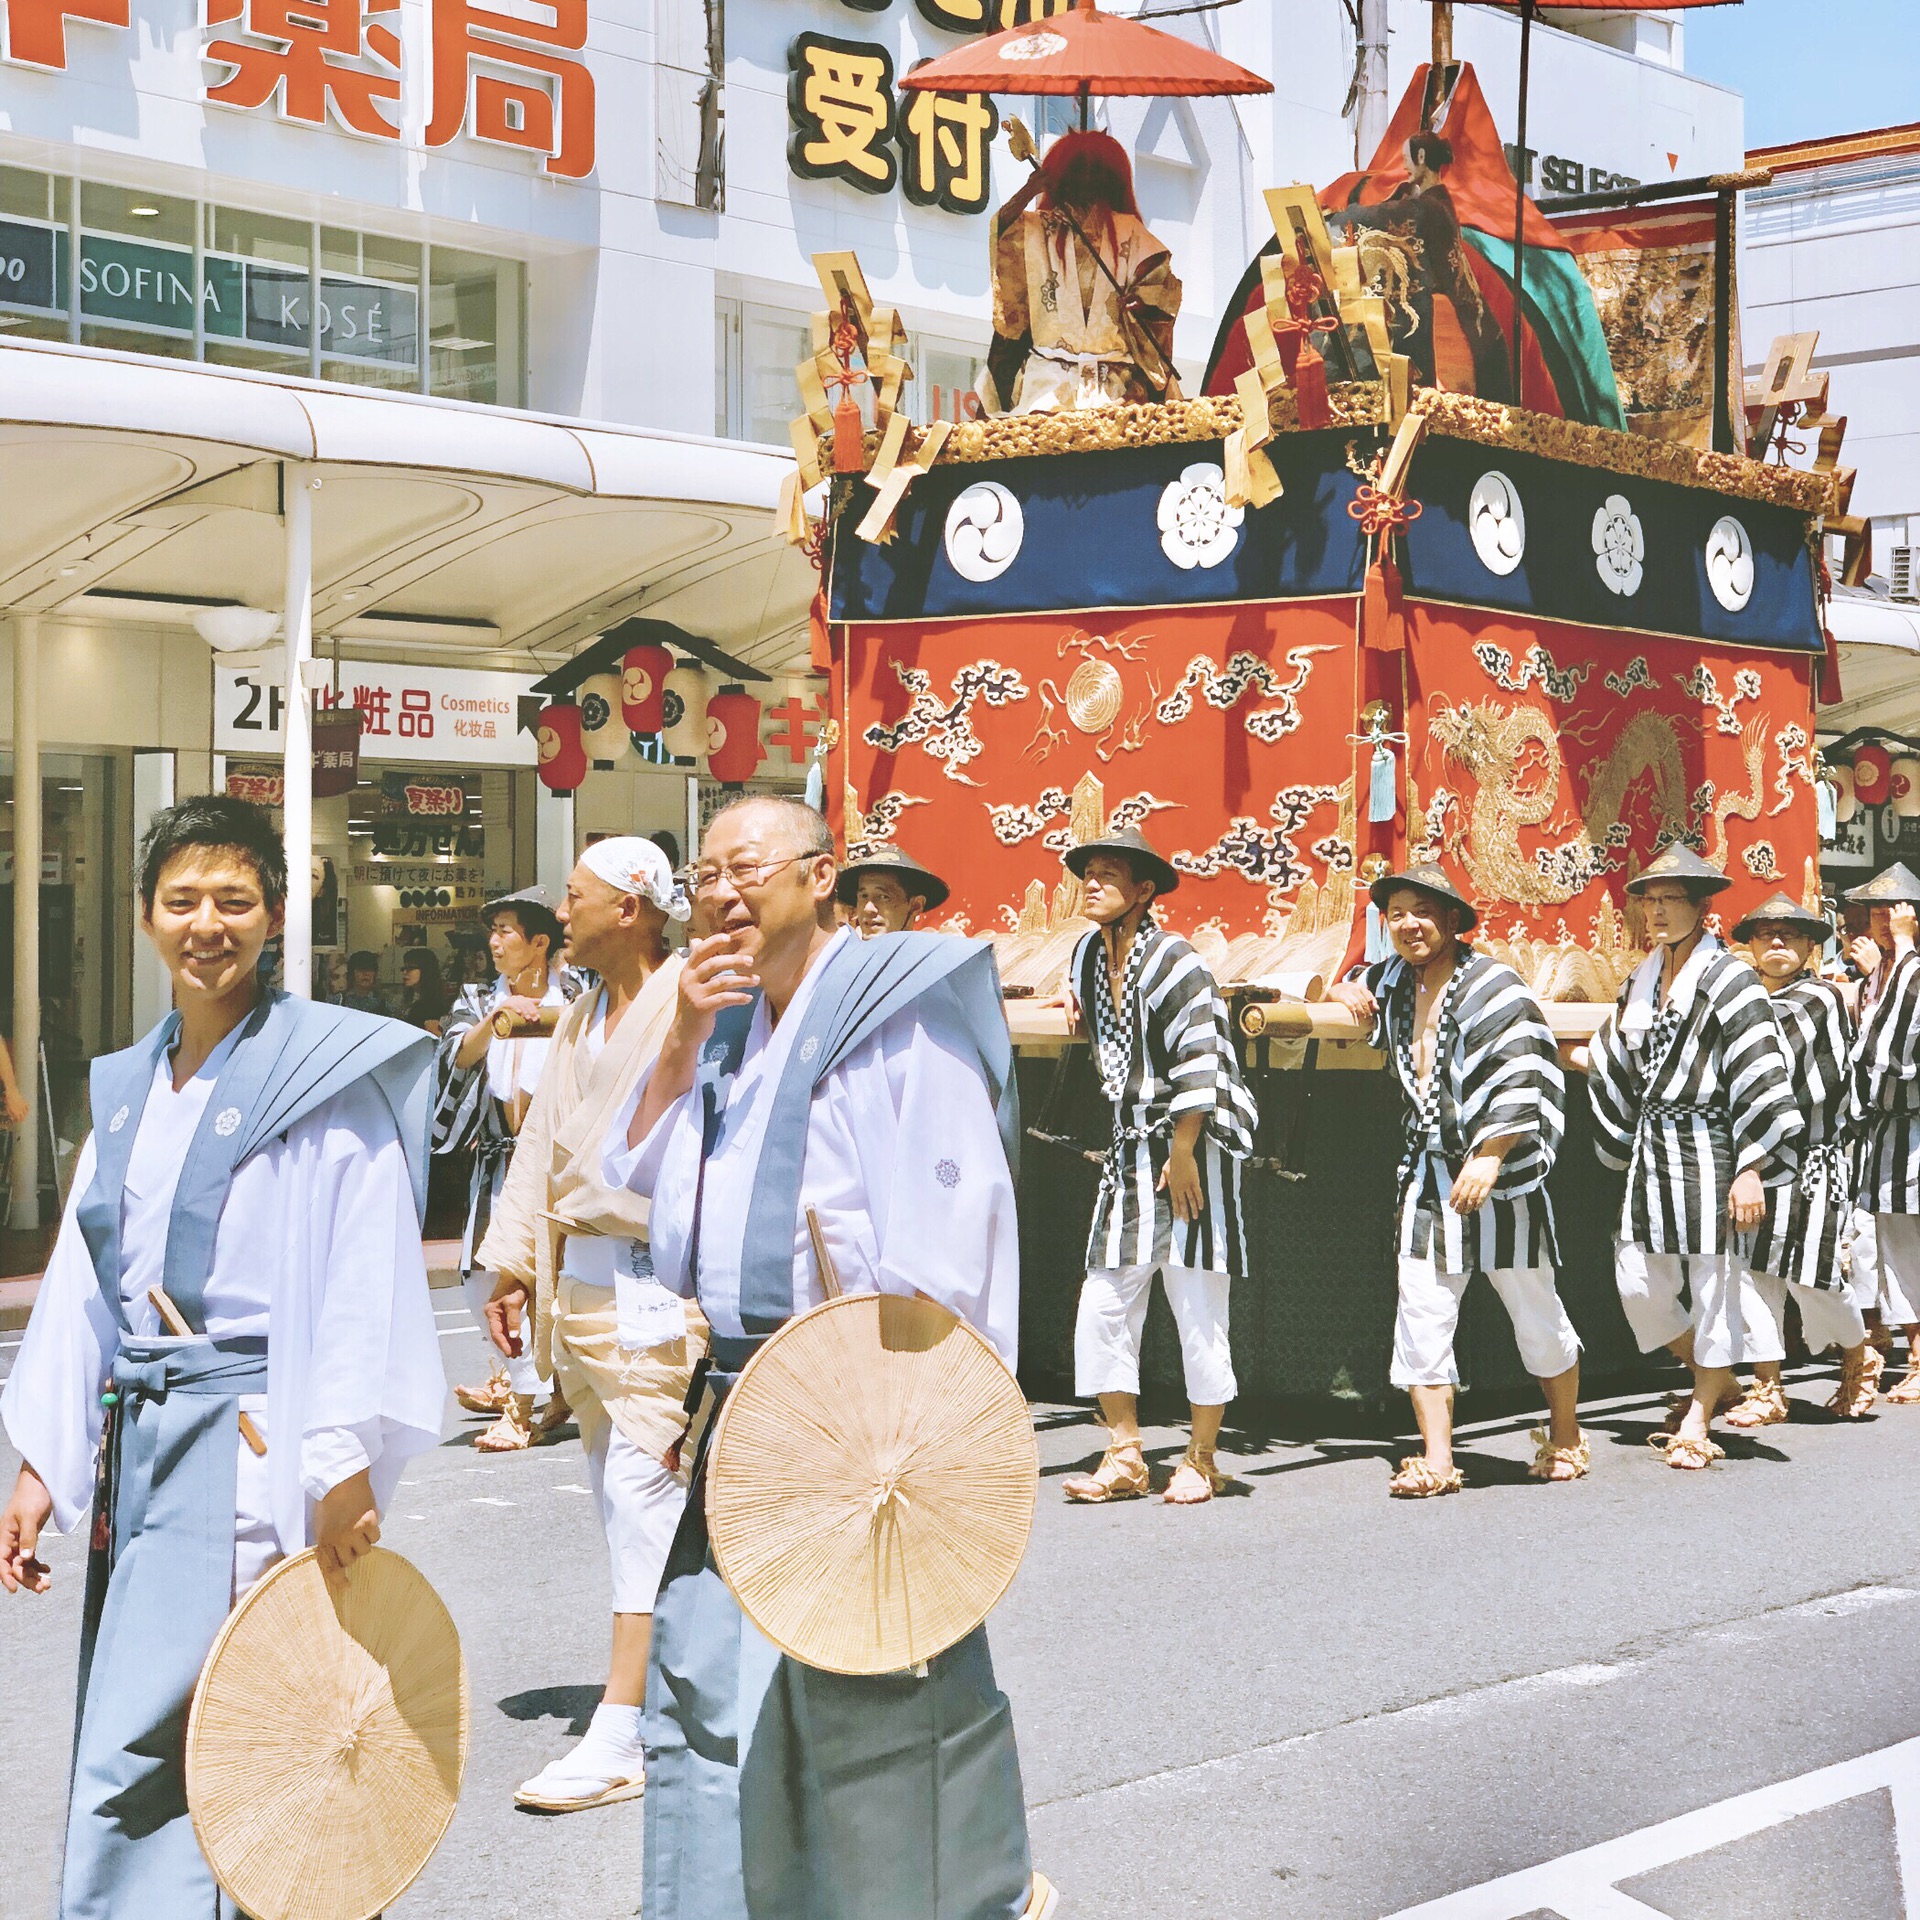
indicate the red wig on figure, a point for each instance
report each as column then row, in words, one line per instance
column 1089, row 175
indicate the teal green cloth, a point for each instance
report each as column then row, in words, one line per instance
column 1556, row 292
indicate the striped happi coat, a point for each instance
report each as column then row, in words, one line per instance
column 1886, row 1095
column 1808, row 1209
column 1496, row 1073
column 465, row 1113
column 1168, row 1052
column 1705, row 1094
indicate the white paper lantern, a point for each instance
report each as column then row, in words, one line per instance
column 603, row 729
column 686, row 730
column 1844, row 804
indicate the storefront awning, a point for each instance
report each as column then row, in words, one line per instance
column 137, row 489
column 1879, row 663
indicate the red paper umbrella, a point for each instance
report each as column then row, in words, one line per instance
column 563, row 756
column 1083, row 51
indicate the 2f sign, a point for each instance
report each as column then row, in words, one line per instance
column 260, row 708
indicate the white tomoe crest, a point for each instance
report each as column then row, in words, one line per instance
column 1497, row 522
column 1730, row 563
column 1034, row 46
column 984, row 529
column 1619, row 545
column 1197, row 527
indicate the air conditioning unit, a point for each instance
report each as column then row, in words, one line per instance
column 1906, row 573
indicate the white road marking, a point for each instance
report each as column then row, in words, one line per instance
column 567, row 1486
column 1585, row 1885
column 487, row 1500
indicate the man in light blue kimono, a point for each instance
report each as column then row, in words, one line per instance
column 255, row 1174
column 870, row 1081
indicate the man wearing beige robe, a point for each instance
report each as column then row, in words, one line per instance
column 618, row 1345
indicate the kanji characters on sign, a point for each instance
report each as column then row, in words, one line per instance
column 547, row 108
column 945, row 139
column 986, row 16
column 840, row 106
column 37, row 29
column 309, row 55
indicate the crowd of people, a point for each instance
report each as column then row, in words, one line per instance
column 650, row 1131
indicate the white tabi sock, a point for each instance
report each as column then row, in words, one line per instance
column 614, row 1731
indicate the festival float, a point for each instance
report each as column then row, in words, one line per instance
column 1471, row 546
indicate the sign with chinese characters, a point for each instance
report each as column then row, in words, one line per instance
column 513, row 79
column 848, row 121
column 434, row 714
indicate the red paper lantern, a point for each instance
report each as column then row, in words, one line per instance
column 563, row 755
column 733, row 735
column 643, row 687
column 1872, row 775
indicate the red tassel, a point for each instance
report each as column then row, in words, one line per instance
column 849, row 436
column 1310, row 387
column 1383, row 624
column 1287, row 336
column 1830, row 694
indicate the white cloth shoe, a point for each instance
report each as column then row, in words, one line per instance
column 609, row 1764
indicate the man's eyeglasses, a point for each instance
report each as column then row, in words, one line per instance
column 740, row 875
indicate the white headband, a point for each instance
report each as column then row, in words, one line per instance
column 629, row 864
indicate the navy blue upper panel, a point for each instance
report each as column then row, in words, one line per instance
column 1092, row 537
column 1560, row 577
column 1130, row 528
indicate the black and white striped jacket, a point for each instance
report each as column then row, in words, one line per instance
column 1886, row 1094
column 1808, row 1207
column 1706, row 1093
column 1496, row 1074
column 1167, row 1051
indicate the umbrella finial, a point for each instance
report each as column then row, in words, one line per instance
column 1019, row 140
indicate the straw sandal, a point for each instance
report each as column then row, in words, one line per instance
column 1678, row 1403
column 1686, row 1453
column 1547, row 1458
column 487, row 1398
column 553, row 1790
column 1859, row 1384
column 1115, row 1478
column 513, row 1431
column 1764, row 1405
column 1210, row 1478
column 553, row 1416
column 1418, row 1481
column 1908, row 1391
column 1043, row 1901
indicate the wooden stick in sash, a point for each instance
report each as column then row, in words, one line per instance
column 176, row 1323
column 823, row 1257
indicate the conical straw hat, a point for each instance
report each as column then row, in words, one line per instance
column 327, row 1740
column 872, row 1484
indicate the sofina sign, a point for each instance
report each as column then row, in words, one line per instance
column 138, row 283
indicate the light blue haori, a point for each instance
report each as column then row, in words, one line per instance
column 160, row 1574
column 776, row 1791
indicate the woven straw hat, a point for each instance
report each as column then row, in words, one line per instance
column 327, row 1740
column 872, row 1484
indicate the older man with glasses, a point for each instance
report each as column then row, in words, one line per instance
column 870, row 1081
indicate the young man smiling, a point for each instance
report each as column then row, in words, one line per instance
column 1169, row 1200
column 1692, row 1092
column 1485, row 1112
column 309, row 1375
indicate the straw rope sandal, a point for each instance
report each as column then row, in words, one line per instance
column 553, row 1416
column 1043, row 1901
column 1549, row 1459
column 1121, row 1475
column 513, row 1431
column 1859, row 1384
column 1908, row 1391
column 1685, row 1452
column 1418, row 1481
column 1764, row 1405
column 1678, row 1403
column 489, row 1397
column 1201, row 1472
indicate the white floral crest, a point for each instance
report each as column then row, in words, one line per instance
column 1034, row 46
column 1197, row 527
column 226, row 1122
column 118, row 1121
column 1619, row 546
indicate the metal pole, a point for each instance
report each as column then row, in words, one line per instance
column 1370, row 122
column 1520, row 206
column 296, row 619
column 26, row 916
column 1724, row 437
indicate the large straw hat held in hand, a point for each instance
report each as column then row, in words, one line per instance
column 327, row 1740
column 871, row 1484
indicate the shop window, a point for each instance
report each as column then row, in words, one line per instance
column 944, row 374
column 474, row 327
column 34, row 246
column 773, row 343
column 136, row 270
column 370, row 310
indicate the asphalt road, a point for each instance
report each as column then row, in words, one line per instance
column 1305, row 1702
